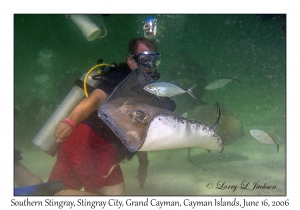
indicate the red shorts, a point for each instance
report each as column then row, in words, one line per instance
column 87, row 160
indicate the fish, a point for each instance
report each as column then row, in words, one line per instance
column 263, row 137
column 165, row 89
column 219, row 83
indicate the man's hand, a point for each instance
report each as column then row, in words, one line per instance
column 62, row 130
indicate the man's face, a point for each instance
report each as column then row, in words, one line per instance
column 134, row 65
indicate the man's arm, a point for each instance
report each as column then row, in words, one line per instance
column 143, row 166
column 80, row 112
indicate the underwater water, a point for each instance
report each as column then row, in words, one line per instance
column 50, row 53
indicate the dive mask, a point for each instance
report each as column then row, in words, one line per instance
column 148, row 59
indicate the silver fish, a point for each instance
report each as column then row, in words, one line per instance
column 218, row 83
column 165, row 89
column 263, row 137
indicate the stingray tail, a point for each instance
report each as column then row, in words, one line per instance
column 190, row 91
column 215, row 125
column 235, row 78
column 189, row 151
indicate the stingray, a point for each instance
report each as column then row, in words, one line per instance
column 145, row 122
column 230, row 127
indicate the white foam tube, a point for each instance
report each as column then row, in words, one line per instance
column 171, row 132
column 89, row 29
column 45, row 138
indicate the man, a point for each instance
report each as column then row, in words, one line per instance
column 89, row 156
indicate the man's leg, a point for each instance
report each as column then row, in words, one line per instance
column 118, row 189
column 24, row 177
